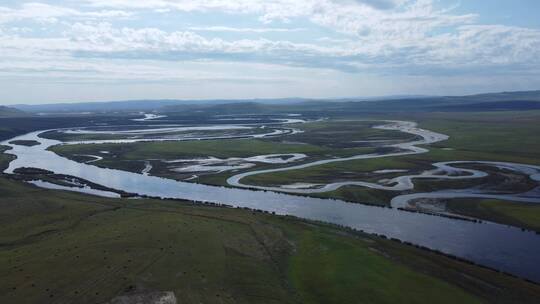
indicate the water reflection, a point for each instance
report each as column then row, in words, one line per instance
column 511, row 250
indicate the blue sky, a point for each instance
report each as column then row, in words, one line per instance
column 94, row 50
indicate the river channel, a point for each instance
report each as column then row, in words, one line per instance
column 497, row 246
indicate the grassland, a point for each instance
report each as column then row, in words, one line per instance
column 493, row 136
column 28, row 143
column 11, row 127
column 503, row 136
column 364, row 170
column 343, row 133
column 473, row 136
column 496, row 136
column 338, row 171
column 70, row 248
column 512, row 137
column 60, row 247
column 510, row 213
column 192, row 134
column 189, row 149
column 320, row 140
column 128, row 156
column 4, row 158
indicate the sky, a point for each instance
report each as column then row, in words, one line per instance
column 102, row 50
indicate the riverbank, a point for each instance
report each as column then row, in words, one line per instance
column 517, row 255
column 524, row 215
column 59, row 246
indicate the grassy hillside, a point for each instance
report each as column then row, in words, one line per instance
column 59, row 247
column 65, row 247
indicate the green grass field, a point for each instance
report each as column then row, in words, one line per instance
column 494, row 136
column 512, row 137
column 332, row 172
column 364, row 170
column 473, row 136
column 4, row 158
column 344, row 263
column 505, row 136
column 193, row 134
column 128, row 156
column 59, row 247
column 343, row 133
column 190, row 149
column 320, row 140
column 511, row 213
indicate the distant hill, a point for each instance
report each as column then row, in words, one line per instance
column 505, row 101
column 515, row 105
column 518, row 101
column 10, row 112
column 140, row 105
column 172, row 104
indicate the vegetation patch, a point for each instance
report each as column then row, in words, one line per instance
column 27, row 143
column 5, row 159
column 510, row 213
column 66, row 247
column 337, row 269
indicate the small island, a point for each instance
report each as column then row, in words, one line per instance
column 27, row 143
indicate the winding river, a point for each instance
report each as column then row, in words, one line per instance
column 443, row 170
column 501, row 247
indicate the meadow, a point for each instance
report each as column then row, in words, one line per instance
column 512, row 213
column 487, row 136
column 493, row 136
column 319, row 140
column 66, row 247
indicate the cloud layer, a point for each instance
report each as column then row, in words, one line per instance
column 92, row 39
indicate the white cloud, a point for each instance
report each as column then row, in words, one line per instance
column 104, row 37
column 244, row 29
column 94, row 41
column 382, row 4
column 470, row 46
column 46, row 13
column 349, row 16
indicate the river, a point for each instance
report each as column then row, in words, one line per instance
column 497, row 246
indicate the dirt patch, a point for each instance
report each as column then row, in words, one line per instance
column 166, row 297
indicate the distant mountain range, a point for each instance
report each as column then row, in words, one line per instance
column 140, row 105
column 506, row 101
column 518, row 101
column 10, row 112
column 157, row 104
